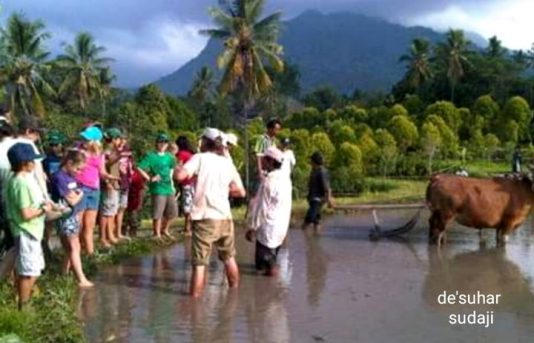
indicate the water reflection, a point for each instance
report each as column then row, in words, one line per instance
column 316, row 269
column 337, row 287
column 488, row 271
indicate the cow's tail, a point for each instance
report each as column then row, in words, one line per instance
column 432, row 180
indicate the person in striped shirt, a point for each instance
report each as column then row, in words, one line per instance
column 265, row 142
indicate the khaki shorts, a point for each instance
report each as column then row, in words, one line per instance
column 164, row 206
column 208, row 232
column 30, row 259
column 110, row 203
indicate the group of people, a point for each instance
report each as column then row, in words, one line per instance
column 71, row 187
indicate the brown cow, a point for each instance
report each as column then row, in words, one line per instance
column 500, row 203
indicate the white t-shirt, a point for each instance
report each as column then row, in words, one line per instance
column 271, row 209
column 214, row 174
column 289, row 162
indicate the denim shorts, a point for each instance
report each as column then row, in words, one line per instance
column 91, row 199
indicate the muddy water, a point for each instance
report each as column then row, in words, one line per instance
column 338, row 287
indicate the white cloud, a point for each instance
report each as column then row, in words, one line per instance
column 510, row 21
column 156, row 48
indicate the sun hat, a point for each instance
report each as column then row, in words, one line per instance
column 92, row 133
column 211, row 133
column 286, row 141
column 275, row 154
column 22, row 152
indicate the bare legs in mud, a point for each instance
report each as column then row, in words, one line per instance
column 198, row 277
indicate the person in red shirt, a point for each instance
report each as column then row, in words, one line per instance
column 135, row 202
column 187, row 188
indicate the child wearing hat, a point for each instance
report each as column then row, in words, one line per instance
column 89, row 177
column 26, row 208
column 157, row 168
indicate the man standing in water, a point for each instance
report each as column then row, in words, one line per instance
column 270, row 212
column 319, row 192
column 216, row 178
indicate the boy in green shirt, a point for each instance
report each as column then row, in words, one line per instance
column 157, row 167
column 26, row 208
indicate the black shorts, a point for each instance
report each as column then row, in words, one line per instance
column 265, row 256
column 313, row 216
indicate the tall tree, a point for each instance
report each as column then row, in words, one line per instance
column 23, row 66
column 83, row 65
column 418, row 63
column 249, row 41
column 454, row 52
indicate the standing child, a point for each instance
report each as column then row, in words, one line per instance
column 187, row 192
column 26, row 209
column 66, row 191
column 135, row 202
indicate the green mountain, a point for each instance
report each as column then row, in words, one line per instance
column 345, row 50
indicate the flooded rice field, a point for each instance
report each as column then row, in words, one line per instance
column 336, row 287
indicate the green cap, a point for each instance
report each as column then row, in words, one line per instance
column 55, row 137
column 113, row 133
column 162, row 137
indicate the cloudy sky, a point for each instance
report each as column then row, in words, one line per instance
column 152, row 38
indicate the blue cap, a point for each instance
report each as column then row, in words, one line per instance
column 22, row 152
column 92, row 133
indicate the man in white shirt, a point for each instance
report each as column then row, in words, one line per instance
column 270, row 212
column 216, row 179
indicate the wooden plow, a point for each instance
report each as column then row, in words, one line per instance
column 376, row 232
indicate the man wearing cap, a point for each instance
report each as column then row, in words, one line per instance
column 270, row 212
column 319, row 191
column 216, row 180
column 157, row 168
column 26, row 209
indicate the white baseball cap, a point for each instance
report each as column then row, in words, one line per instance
column 211, row 133
column 275, row 154
column 229, row 138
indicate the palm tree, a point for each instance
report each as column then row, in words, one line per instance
column 23, row 65
column 418, row 62
column 83, row 65
column 203, row 85
column 454, row 52
column 249, row 41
